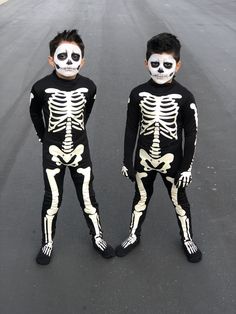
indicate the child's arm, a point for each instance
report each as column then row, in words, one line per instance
column 190, row 126
column 132, row 124
column 89, row 104
column 36, row 114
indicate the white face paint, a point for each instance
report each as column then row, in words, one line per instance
column 67, row 58
column 162, row 67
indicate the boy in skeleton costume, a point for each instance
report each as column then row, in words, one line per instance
column 160, row 110
column 60, row 107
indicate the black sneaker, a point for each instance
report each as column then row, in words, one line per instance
column 192, row 252
column 102, row 247
column 45, row 254
column 128, row 245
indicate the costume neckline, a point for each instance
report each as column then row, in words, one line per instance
column 165, row 85
column 64, row 80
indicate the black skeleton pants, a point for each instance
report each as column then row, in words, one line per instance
column 143, row 192
column 82, row 177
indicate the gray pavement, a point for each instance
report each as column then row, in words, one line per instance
column 156, row 277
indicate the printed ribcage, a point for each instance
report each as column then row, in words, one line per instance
column 159, row 115
column 66, row 113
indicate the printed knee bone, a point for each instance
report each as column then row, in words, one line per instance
column 56, row 152
column 51, row 212
column 88, row 207
column 181, row 213
column 140, row 207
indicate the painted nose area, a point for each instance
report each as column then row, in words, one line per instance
column 160, row 70
column 69, row 62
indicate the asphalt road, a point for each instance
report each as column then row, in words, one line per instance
column 156, row 277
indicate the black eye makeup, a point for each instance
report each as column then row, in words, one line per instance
column 75, row 56
column 62, row 56
column 168, row 65
column 155, row 64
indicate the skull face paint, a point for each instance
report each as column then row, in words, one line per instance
column 162, row 67
column 67, row 59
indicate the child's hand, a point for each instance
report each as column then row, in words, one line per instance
column 128, row 173
column 183, row 179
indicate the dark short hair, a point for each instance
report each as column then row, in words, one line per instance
column 164, row 42
column 66, row 35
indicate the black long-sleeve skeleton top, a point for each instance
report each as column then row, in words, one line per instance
column 161, row 115
column 60, row 109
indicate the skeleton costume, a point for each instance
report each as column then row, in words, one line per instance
column 159, row 113
column 59, row 110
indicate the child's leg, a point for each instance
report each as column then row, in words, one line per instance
column 53, row 182
column 182, row 209
column 83, row 179
column 143, row 192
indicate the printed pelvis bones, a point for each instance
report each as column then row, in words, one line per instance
column 66, row 113
column 159, row 115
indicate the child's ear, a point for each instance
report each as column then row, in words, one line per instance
column 83, row 61
column 51, row 61
column 145, row 63
column 178, row 66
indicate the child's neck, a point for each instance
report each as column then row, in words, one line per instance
column 68, row 78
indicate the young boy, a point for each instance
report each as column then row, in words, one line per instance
column 161, row 109
column 60, row 107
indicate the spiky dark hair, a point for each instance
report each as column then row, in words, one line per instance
column 66, row 35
